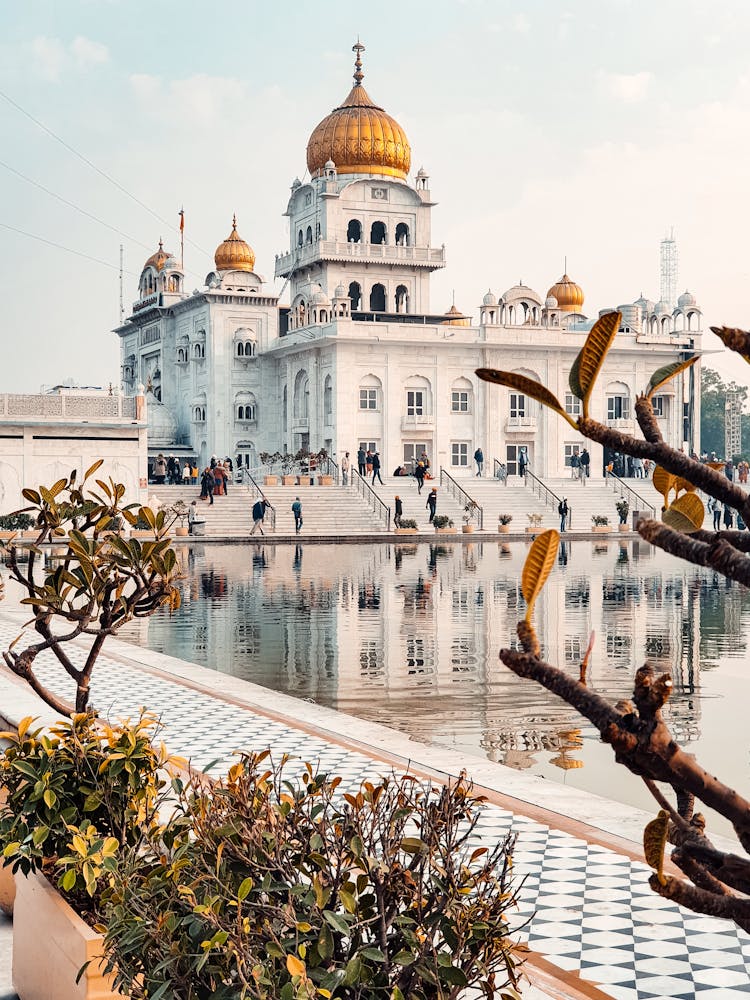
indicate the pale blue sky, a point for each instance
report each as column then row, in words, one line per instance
column 585, row 128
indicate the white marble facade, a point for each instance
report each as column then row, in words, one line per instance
column 354, row 355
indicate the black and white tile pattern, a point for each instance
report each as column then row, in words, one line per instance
column 587, row 909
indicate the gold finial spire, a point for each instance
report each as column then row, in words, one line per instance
column 234, row 221
column 161, row 244
column 358, row 74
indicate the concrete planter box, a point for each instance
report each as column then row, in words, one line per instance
column 305, row 480
column 504, row 529
column 181, row 532
column 288, row 480
column 406, row 531
column 537, row 529
column 601, row 529
column 5, row 535
column 199, row 527
column 467, row 528
column 41, row 915
column 137, row 533
column 445, row 531
column 325, row 480
column 270, row 480
column 623, row 527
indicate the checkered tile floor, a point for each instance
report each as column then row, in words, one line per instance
column 587, row 909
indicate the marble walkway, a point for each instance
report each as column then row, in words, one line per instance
column 585, row 902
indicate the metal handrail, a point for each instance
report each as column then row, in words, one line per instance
column 628, row 492
column 460, row 494
column 500, row 470
column 550, row 498
column 256, row 491
column 368, row 493
column 332, row 469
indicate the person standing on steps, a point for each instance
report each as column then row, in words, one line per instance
column 259, row 512
column 345, row 466
column 431, row 504
column 375, row 459
column 361, row 460
column 585, row 465
column 523, row 461
column 207, row 485
column 715, row 507
column 575, row 465
column 479, row 459
column 297, row 511
column 399, row 508
column 419, row 474
column 562, row 510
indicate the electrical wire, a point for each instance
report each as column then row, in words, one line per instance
column 72, row 205
column 59, row 246
column 94, row 167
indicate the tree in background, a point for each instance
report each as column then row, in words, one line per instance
column 713, row 401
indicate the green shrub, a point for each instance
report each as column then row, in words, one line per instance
column 599, row 520
column 441, row 521
column 262, row 886
column 407, row 522
column 504, row 518
column 15, row 522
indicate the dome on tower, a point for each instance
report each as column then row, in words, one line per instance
column 645, row 304
column 551, row 302
column 686, row 300
column 663, row 308
column 340, row 292
column 158, row 259
column 569, row 295
column 234, row 254
column 490, row 299
column 359, row 136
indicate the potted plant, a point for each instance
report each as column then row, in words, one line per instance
column 600, row 524
column 442, row 524
column 471, row 510
column 274, row 884
column 179, row 511
column 324, row 478
column 503, row 523
column 287, row 477
column 77, row 794
column 13, row 524
column 623, row 509
column 270, row 460
column 535, row 523
column 408, row 526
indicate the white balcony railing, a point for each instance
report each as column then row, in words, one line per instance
column 520, row 424
column 417, row 421
column 431, row 257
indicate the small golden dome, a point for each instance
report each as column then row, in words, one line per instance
column 455, row 318
column 158, row 259
column 359, row 137
column 234, row 254
column 569, row 295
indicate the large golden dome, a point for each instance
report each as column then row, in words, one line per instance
column 234, row 254
column 359, row 136
column 569, row 295
column 158, row 259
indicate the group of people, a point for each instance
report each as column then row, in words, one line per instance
column 169, row 471
column 431, row 506
column 216, row 478
column 723, row 512
column 580, row 465
column 262, row 506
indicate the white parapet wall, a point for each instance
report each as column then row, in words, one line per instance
column 44, row 437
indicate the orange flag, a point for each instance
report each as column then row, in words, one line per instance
column 182, row 219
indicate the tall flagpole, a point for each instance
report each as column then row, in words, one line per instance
column 182, row 239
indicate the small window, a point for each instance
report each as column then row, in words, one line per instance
column 660, row 405
column 572, row 405
column 414, row 402
column 460, row 454
column 368, row 399
column 517, row 406
column 618, row 408
column 459, row 401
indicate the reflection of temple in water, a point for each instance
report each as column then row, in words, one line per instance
column 409, row 634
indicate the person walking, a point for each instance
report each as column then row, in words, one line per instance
column 562, row 510
column 192, row 515
column 376, row 468
column 297, row 511
column 431, row 504
column 207, row 485
column 729, row 470
column 361, row 461
column 575, row 465
column 368, row 462
column 728, row 518
column 479, row 459
column 399, row 508
column 160, row 469
column 185, row 474
column 259, row 512
column 419, row 476
column 585, row 464
column 715, row 507
column 523, row 461
column 345, row 466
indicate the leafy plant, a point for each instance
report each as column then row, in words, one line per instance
column 599, row 520
column 77, row 792
column 504, row 518
column 471, row 510
column 266, row 885
column 407, row 522
column 178, row 511
column 623, row 508
column 441, row 521
column 535, row 520
column 100, row 582
column 15, row 522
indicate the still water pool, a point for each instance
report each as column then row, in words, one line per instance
column 408, row 635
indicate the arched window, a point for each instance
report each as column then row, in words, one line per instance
column 199, row 351
column 462, row 396
column 308, row 235
column 355, row 294
column 402, row 299
column 378, row 232
column 328, row 399
column 370, row 393
column 317, row 231
column 377, row 298
column 618, row 402
column 283, row 410
column 418, row 396
column 245, row 407
column 354, row 231
column 300, row 238
column 301, row 401
column 402, row 235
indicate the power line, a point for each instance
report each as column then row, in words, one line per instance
column 59, row 246
column 72, row 205
column 93, row 166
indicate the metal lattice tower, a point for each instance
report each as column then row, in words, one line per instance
column 732, row 424
column 668, row 269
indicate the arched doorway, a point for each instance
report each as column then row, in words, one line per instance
column 377, row 298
